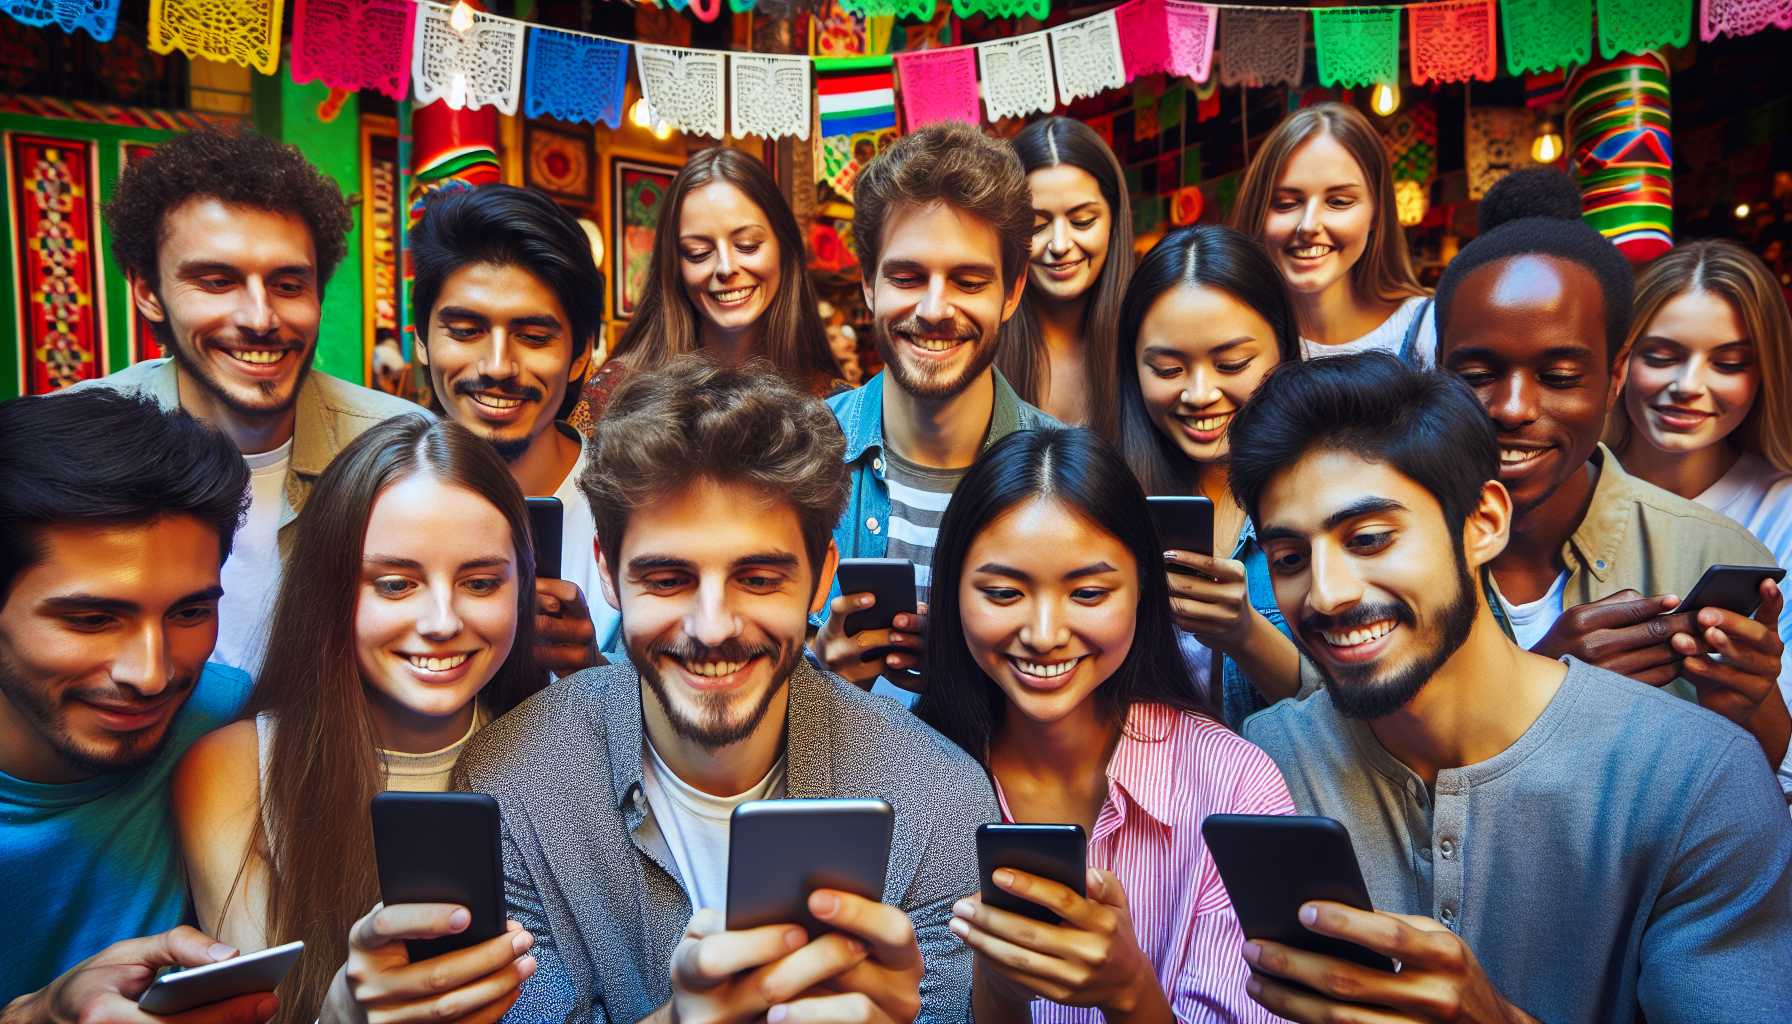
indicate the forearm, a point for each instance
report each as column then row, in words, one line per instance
column 26, row 1009
column 1268, row 659
column 990, row 1004
column 1144, row 1003
column 1772, row 727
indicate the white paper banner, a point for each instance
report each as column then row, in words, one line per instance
column 769, row 96
column 1086, row 57
column 684, row 87
column 1017, row 76
column 481, row 68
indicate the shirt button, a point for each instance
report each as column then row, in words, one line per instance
column 871, row 523
column 1448, row 915
column 1600, row 563
column 877, row 463
column 1447, row 848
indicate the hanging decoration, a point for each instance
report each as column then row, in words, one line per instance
column 1741, row 17
column 1186, row 204
column 769, row 95
column 855, row 94
column 1086, row 57
column 684, row 87
column 559, row 162
column 1357, row 46
column 354, row 44
column 98, row 17
column 576, row 78
column 705, row 14
column 1002, row 8
column 1638, row 26
column 245, row 32
column 51, row 190
column 1453, row 41
column 938, row 85
column 481, row 67
column 1017, row 76
column 1621, row 150
column 1411, row 138
column 1191, row 34
column 1262, row 47
column 1542, row 35
column 914, row 10
column 1166, row 36
column 1498, row 141
column 1144, row 45
column 1207, row 101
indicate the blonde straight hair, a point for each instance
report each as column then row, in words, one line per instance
column 1384, row 271
column 1728, row 270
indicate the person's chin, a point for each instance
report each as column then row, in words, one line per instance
column 104, row 751
column 251, row 389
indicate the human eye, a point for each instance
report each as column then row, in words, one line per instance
column 1000, row 595
column 87, row 622
column 1368, row 542
column 663, row 583
column 463, row 332
column 903, row 279
column 1236, row 366
column 1342, row 202
column 483, row 585
column 1474, row 375
column 695, row 255
column 1084, row 223
column 194, row 614
column 747, row 248
column 1283, row 204
column 216, row 282
column 760, row 582
column 972, row 284
column 1164, row 371
column 1040, row 222
column 1286, row 560
column 393, row 586
column 1090, row 595
column 1561, row 378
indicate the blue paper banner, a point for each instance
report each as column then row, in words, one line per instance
column 575, row 78
column 98, row 17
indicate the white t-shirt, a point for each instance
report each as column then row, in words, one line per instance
column 694, row 824
column 1388, row 337
column 251, row 575
column 578, row 554
column 1529, row 621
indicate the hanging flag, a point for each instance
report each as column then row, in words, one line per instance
column 98, row 17
column 482, row 67
column 856, row 94
column 938, row 85
column 1452, row 41
column 1546, row 88
column 1357, row 46
column 1190, row 30
column 1167, row 36
column 684, row 87
column 1639, row 26
column 1739, row 17
column 1262, row 47
column 769, row 95
column 576, row 78
column 245, row 32
column 354, row 44
column 914, row 10
column 1544, row 35
column 1086, row 57
column 1017, row 76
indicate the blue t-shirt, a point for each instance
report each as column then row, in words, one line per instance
column 94, row 862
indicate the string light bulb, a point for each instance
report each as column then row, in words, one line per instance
column 1385, row 99
column 1546, row 148
column 461, row 18
column 1742, row 211
column 640, row 114
column 662, row 131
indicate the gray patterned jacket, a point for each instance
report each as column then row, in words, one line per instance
column 606, row 907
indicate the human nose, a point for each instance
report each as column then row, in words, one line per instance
column 500, row 355
column 724, row 263
column 440, row 620
column 1309, row 218
column 1045, row 629
column 711, row 621
column 1513, row 402
column 1332, row 583
column 1203, row 387
column 142, row 664
column 1060, row 240
column 254, row 308
column 936, row 305
column 1690, row 381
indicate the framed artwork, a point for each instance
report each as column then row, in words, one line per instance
column 53, row 213
column 382, row 232
column 637, row 190
column 142, row 333
column 559, row 163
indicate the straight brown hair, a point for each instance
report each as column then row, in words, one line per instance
column 1384, row 271
column 312, row 827
column 666, row 324
column 1726, row 269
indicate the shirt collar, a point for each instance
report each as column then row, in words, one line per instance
column 314, row 430
column 1142, row 763
column 1596, row 542
column 862, row 416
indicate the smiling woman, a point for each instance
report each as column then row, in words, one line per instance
column 409, row 627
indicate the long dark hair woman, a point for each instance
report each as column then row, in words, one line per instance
column 1052, row 660
column 404, row 623
column 727, row 276
column 1205, row 318
column 1058, row 349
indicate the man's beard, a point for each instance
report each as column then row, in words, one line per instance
column 1355, row 689
column 928, row 385
column 711, row 728
column 509, row 449
column 194, row 367
column 130, row 751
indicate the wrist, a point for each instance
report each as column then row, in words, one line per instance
column 1140, row 1001
column 26, row 1009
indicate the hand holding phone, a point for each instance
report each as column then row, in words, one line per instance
column 1735, row 588
column 860, row 640
column 248, row 974
column 547, row 521
column 1183, row 522
column 781, row 851
column 441, row 848
column 107, row 985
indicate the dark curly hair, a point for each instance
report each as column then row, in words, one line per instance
column 240, row 167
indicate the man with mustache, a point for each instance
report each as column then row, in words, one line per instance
column 715, row 491
column 944, row 223
column 1534, row 313
column 228, row 240
column 507, row 306
column 114, row 520
column 1542, row 839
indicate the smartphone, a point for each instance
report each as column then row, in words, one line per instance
column 780, row 851
column 546, row 518
column 891, row 581
column 180, row 991
column 1057, row 852
column 1271, row 864
column 1183, row 523
column 1736, row 588
column 441, row 848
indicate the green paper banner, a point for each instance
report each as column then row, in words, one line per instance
column 1357, row 46
column 1542, row 35
column 1638, row 26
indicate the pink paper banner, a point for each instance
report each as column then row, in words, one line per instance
column 354, row 44
column 1144, row 45
column 1167, row 37
column 1191, row 31
column 1742, row 17
column 938, row 85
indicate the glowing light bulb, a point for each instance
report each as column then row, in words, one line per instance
column 662, row 131
column 1741, row 211
column 1385, row 99
column 1547, row 146
column 461, row 19
column 640, row 114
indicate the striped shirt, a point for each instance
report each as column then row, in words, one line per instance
column 918, row 499
column 1169, row 771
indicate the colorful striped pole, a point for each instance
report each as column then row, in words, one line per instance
column 1621, row 150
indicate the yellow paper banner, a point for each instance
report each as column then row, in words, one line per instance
column 245, row 32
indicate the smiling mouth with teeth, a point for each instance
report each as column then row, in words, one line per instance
column 1310, row 252
column 934, row 344
column 1520, row 456
column 1044, row 669
column 491, row 401
column 436, row 664
column 1358, row 636
column 711, row 669
column 258, row 356
column 733, row 295
column 1207, row 423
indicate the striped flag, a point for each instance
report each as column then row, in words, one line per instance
column 857, row 94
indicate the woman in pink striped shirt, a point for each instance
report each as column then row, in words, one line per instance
column 1053, row 660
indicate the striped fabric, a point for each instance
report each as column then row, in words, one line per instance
column 1169, row 771
column 856, row 94
column 918, row 499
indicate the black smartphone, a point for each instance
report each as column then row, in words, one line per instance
column 1057, row 852
column 1735, row 588
column 1271, row 864
column 546, row 519
column 441, row 848
column 891, row 581
column 180, row 991
column 780, row 851
column 1183, row 523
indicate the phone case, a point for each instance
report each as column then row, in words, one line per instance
column 1057, row 852
column 892, row 580
column 546, row 523
column 180, row 991
column 441, row 848
column 1735, row 588
column 779, row 851
column 1184, row 523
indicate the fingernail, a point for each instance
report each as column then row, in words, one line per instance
column 521, row 941
column 1252, row 986
column 1309, row 914
column 219, row 951
column 794, row 938
column 266, row 1007
column 855, row 948
column 526, row 966
column 962, row 908
column 1251, row 952
column 460, row 919
column 865, row 602
column 958, row 927
column 1004, row 877
column 895, row 637
column 824, row 904
column 776, row 1014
